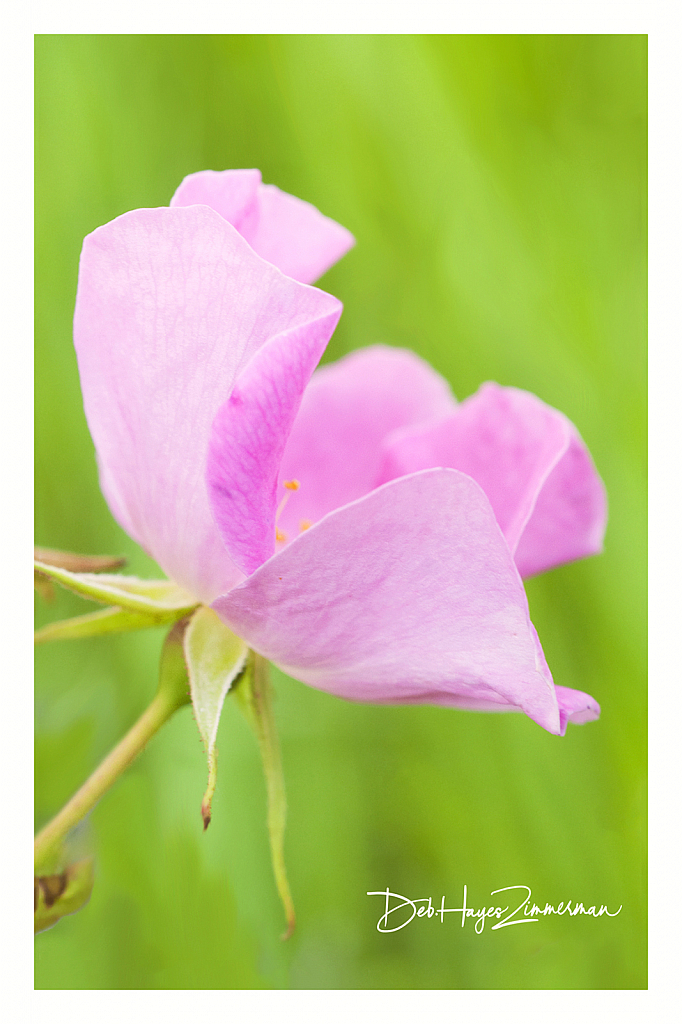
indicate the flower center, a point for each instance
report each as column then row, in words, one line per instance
column 289, row 485
column 304, row 524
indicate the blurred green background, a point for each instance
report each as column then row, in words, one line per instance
column 496, row 188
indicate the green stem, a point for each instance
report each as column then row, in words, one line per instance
column 158, row 712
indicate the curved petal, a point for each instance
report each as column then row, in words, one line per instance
column 232, row 194
column 282, row 229
column 350, row 407
column 171, row 305
column 576, row 707
column 295, row 236
column 568, row 520
column 408, row 595
column 249, row 434
column 530, row 461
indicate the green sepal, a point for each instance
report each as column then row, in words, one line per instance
column 73, row 562
column 214, row 657
column 108, row 620
column 55, row 896
column 173, row 675
column 253, row 693
column 161, row 598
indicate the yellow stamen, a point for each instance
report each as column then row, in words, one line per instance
column 281, row 537
column 304, row 524
column 291, row 485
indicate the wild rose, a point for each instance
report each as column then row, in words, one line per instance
column 389, row 574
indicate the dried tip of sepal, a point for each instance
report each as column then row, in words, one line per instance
column 50, row 887
column 56, row 895
column 210, row 788
column 78, row 563
column 291, row 925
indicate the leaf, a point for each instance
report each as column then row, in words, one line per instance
column 215, row 657
column 78, row 563
column 151, row 596
column 254, row 695
column 108, row 620
column 56, row 895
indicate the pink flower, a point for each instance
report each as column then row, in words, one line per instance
column 381, row 578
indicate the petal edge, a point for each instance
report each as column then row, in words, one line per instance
column 407, row 592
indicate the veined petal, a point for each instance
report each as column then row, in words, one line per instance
column 530, row 461
column 348, row 410
column 284, row 230
column 409, row 594
column 171, row 305
column 249, row 434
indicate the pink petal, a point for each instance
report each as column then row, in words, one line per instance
column 408, row 595
column 335, row 448
column 296, row 237
column 576, row 707
column 568, row 520
column 249, row 434
column 232, row 194
column 284, row 230
column 530, row 461
column 171, row 305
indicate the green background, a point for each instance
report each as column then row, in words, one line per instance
column 496, row 188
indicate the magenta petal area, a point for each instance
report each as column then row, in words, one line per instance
column 576, row 707
column 282, row 229
column 350, row 408
column 249, row 434
column 530, row 461
column 407, row 595
column 171, row 305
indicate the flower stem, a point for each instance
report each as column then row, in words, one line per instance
column 123, row 754
column 170, row 695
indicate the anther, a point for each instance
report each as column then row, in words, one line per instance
column 289, row 485
column 281, row 537
column 304, row 524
